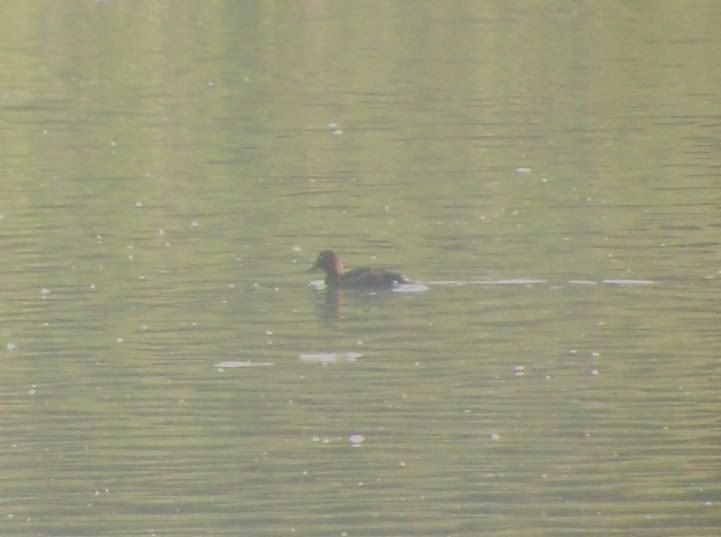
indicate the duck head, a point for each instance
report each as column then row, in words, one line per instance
column 329, row 262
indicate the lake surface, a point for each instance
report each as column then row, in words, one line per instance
column 549, row 171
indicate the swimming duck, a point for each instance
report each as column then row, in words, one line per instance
column 335, row 276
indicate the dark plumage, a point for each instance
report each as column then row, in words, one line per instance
column 335, row 276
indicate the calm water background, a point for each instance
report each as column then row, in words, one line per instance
column 169, row 169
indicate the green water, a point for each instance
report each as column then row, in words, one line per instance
column 549, row 170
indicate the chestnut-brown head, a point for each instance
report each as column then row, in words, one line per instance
column 329, row 262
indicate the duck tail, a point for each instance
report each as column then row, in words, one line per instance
column 400, row 278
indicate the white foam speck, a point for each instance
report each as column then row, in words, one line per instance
column 11, row 346
column 523, row 170
column 410, row 288
column 242, row 363
column 330, row 357
column 515, row 281
column 629, row 282
column 356, row 438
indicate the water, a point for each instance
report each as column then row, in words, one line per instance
column 547, row 174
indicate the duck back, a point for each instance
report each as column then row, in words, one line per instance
column 370, row 277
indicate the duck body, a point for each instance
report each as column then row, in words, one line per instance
column 365, row 277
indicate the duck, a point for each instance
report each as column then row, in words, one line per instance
column 365, row 277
